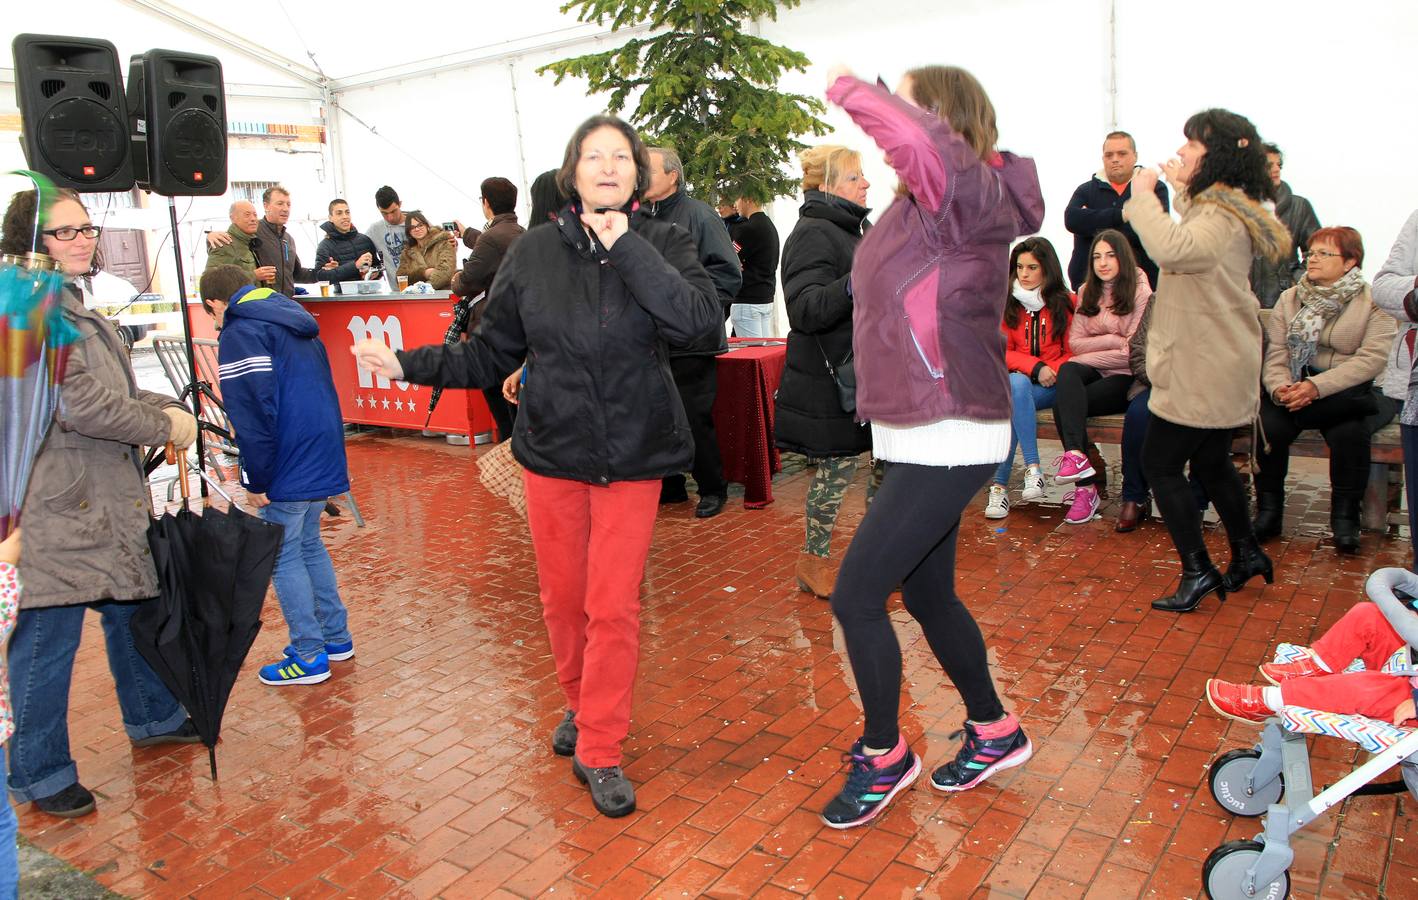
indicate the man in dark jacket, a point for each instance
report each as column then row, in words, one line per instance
column 273, row 246
column 695, row 372
column 280, row 396
column 240, row 250
column 1098, row 204
column 1270, row 279
column 489, row 247
column 756, row 240
column 351, row 253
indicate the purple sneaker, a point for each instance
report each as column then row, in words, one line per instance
column 1073, row 466
column 1083, row 505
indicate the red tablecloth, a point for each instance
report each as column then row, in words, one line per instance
column 743, row 416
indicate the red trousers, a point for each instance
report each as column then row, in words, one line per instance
column 1362, row 633
column 591, row 544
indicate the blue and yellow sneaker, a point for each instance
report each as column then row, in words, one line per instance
column 294, row 670
column 339, row 652
column 871, row 785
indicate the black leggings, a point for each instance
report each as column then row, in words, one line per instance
column 1083, row 391
column 1167, row 448
column 908, row 538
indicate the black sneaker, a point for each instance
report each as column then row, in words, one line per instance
column 70, row 803
column 978, row 758
column 869, row 788
column 611, row 792
column 563, row 739
column 186, row 733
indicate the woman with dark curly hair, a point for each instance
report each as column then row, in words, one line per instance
column 1204, row 343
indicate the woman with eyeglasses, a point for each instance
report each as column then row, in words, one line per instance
column 1325, row 343
column 1204, row 342
column 85, row 519
column 428, row 253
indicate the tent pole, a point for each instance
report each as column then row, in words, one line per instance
column 187, row 336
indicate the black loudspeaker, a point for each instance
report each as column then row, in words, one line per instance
column 177, row 104
column 74, row 121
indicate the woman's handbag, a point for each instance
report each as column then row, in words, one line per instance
column 844, row 375
column 501, row 474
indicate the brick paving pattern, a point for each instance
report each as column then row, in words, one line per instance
column 423, row 769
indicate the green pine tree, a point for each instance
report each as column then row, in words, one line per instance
column 706, row 87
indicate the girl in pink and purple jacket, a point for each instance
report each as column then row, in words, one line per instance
column 928, row 285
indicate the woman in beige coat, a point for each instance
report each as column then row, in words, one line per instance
column 1204, row 345
column 428, row 253
column 1325, row 343
column 85, row 518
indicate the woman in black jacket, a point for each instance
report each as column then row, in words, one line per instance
column 590, row 304
column 810, row 417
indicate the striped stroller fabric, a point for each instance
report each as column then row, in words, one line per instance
column 1400, row 663
column 1370, row 734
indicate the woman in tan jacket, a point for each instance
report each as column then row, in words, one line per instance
column 1325, row 343
column 85, row 516
column 428, row 253
column 1204, row 344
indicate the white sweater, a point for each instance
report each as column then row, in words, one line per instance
column 948, row 442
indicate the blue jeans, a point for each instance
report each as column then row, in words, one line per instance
column 752, row 320
column 1135, row 487
column 1028, row 399
column 41, row 668
column 305, row 579
column 9, row 850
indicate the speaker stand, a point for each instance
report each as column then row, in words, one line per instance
column 194, row 388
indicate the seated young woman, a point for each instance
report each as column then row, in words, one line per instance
column 1037, row 315
column 1096, row 380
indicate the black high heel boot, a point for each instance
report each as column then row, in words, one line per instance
column 1247, row 561
column 1199, row 578
column 1270, row 515
column 1344, row 520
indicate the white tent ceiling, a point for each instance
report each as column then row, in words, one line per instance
column 289, row 44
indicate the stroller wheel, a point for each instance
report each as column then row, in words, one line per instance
column 1228, row 784
column 1224, row 874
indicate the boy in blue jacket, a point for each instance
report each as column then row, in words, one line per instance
column 278, row 393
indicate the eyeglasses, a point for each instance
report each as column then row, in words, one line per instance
column 68, row 232
column 1321, row 254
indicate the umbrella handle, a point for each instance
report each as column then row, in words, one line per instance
column 181, row 471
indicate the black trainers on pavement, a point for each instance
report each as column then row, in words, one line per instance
column 611, row 792
column 186, row 733
column 70, row 803
column 869, row 788
column 563, row 739
column 980, row 758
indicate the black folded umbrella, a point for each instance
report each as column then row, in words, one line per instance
column 462, row 311
column 213, row 573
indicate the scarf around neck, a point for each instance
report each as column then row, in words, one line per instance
column 1032, row 301
column 1319, row 305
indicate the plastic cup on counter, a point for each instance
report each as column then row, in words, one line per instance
column 324, row 288
column 403, row 282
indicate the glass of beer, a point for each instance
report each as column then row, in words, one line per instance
column 403, row 282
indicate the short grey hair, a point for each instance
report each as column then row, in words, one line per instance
column 670, row 162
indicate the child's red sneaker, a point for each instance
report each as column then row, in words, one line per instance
column 1242, row 702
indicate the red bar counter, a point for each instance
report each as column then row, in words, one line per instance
column 403, row 321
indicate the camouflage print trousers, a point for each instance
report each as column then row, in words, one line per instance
column 824, row 498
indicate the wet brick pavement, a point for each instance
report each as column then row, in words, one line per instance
column 422, row 769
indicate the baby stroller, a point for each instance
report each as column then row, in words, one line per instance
column 1252, row 782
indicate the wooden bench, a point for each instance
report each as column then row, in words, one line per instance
column 1383, row 499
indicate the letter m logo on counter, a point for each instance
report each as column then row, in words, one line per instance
column 389, row 331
